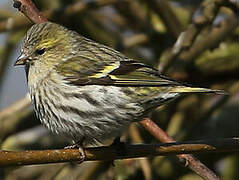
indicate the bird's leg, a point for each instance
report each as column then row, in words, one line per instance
column 116, row 141
column 78, row 145
column 119, row 146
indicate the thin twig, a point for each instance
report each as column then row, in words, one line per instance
column 109, row 153
column 28, row 8
column 165, row 11
column 189, row 161
column 203, row 17
column 144, row 163
column 21, row 21
column 12, row 116
column 17, row 106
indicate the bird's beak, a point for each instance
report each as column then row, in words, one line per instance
column 21, row 60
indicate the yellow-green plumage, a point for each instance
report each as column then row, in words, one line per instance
column 87, row 91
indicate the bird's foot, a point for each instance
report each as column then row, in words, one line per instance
column 73, row 146
column 81, row 150
column 119, row 146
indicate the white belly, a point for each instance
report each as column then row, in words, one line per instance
column 92, row 112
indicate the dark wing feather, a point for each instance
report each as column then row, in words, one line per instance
column 116, row 73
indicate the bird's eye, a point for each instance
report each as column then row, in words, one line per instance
column 40, row 51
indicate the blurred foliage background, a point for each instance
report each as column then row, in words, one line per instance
column 147, row 31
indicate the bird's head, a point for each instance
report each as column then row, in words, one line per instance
column 44, row 46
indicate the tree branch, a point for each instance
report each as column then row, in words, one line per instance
column 188, row 160
column 28, row 8
column 109, row 153
column 20, row 21
column 12, row 115
column 190, row 48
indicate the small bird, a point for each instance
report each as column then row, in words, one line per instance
column 86, row 91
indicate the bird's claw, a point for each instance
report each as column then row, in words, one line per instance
column 81, row 150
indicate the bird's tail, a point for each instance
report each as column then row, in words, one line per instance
column 185, row 89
